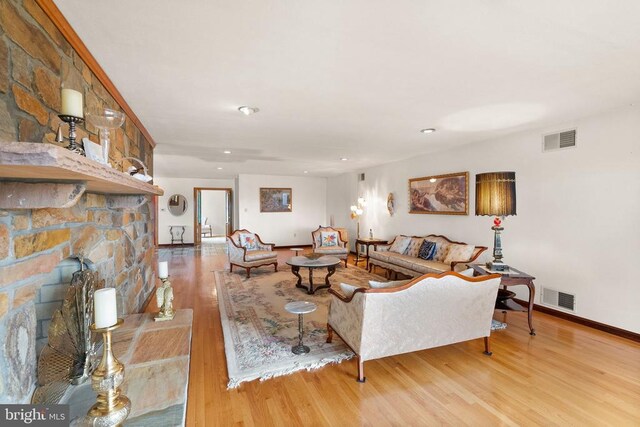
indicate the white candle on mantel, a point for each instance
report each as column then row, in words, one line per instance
column 105, row 310
column 72, row 103
column 163, row 269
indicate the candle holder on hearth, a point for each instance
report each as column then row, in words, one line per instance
column 164, row 299
column 71, row 121
column 111, row 407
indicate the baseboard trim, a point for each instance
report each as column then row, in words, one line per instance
column 175, row 245
column 586, row 322
column 293, row 246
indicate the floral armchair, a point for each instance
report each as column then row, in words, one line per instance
column 248, row 251
column 331, row 241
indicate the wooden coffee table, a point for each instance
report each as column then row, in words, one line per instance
column 328, row 262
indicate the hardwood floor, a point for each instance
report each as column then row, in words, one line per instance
column 566, row 375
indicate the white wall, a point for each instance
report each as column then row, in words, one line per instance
column 577, row 228
column 214, row 207
column 185, row 187
column 283, row 228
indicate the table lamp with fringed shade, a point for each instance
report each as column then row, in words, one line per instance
column 496, row 196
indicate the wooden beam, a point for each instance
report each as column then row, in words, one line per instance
column 27, row 195
column 58, row 19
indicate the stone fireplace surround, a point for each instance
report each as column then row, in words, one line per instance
column 37, row 244
column 34, row 244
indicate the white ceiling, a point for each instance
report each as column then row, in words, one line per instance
column 355, row 79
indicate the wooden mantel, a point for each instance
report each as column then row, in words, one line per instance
column 67, row 175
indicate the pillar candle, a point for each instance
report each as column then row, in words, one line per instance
column 71, row 103
column 105, row 310
column 163, row 269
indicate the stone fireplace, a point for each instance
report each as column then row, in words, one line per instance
column 37, row 246
column 36, row 268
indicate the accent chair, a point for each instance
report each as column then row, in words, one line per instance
column 331, row 241
column 248, row 251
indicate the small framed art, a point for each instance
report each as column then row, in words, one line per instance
column 275, row 200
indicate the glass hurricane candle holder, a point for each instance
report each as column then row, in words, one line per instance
column 105, row 120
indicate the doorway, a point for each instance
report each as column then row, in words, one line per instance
column 213, row 215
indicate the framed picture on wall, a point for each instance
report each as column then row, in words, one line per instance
column 275, row 200
column 440, row 194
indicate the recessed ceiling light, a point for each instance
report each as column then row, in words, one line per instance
column 344, row 159
column 306, row 172
column 219, row 168
column 227, row 152
column 428, row 130
column 248, row 110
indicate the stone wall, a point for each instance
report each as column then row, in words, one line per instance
column 34, row 243
column 35, row 60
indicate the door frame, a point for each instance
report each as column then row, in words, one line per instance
column 197, row 235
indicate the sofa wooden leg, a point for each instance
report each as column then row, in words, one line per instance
column 248, row 271
column 487, row 347
column 361, row 377
column 329, row 333
column 276, row 267
column 230, row 268
column 345, row 262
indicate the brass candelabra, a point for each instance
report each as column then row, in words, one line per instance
column 111, row 407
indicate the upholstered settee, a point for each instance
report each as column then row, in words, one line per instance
column 251, row 253
column 338, row 247
column 429, row 311
column 444, row 258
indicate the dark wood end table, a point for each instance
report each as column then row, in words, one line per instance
column 513, row 277
column 367, row 241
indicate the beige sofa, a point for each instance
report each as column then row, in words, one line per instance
column 430, row 311
column 408, row 262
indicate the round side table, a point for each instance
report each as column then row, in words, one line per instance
column 300, row 308
column 297, row 250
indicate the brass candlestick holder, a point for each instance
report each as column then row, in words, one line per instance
column 164, row 299
column 111, row 407
column 71, row 121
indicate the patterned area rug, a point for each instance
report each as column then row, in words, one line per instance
column 259, row 333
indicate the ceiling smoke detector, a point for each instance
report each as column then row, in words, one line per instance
column 247, row 111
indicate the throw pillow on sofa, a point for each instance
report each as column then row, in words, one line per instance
column 414, row 246
column 400, row 244
column 248, row 241
column 459, row 253
column 427, row 250
column 329, row 238
column 383, row 285
column 468, row 272
column 347, row 289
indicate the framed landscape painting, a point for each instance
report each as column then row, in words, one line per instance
column 440, row 194
column 275, row 200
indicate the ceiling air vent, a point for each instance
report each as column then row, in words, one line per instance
column 558, row 141
column 559, row 299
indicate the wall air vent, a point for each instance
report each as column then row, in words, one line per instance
column 361, row 176
column 559, row 299
column 559, row 140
